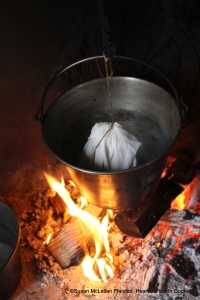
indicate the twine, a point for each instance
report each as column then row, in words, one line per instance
column 107, row 60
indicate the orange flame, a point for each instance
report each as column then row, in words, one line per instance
column 190, row 192
column 179, row 202
column 48, row 239
column 72, row 183
column 83, row 202
column 99, row 234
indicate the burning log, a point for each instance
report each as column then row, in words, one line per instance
column 60, row 206
column 138, row 222
column 70, row 244
column 93, row 226
column 182, row 171
column 192, row 193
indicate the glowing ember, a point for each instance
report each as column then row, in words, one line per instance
column 168, row 234
column 101, row 262
column 158, row 244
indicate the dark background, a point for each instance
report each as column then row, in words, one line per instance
column 39, row 38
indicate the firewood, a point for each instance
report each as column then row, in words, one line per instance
column 70, row 244
column 182, row 171
column 138, row 222
column 58, row 204
column 60, row 207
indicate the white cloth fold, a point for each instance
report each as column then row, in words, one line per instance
column 115, row 152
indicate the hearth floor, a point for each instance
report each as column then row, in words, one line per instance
column 134, row 269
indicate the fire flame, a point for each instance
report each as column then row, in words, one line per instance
column 188, row 198
column 179, row 202
column 48, row 239
column 96, row 264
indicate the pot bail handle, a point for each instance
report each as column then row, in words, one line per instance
column 108, row 47
column 40, row 114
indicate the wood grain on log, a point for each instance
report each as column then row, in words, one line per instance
column 70, row 244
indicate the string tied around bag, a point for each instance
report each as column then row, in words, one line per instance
column 108, row 62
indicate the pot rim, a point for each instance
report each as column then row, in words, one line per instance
column 92, row 172
column 15, row 247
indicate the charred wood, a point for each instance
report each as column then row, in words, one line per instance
column 150, row 283
column 182, row 171
column 58, row 204
column 184, row 267
column 139, row 222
